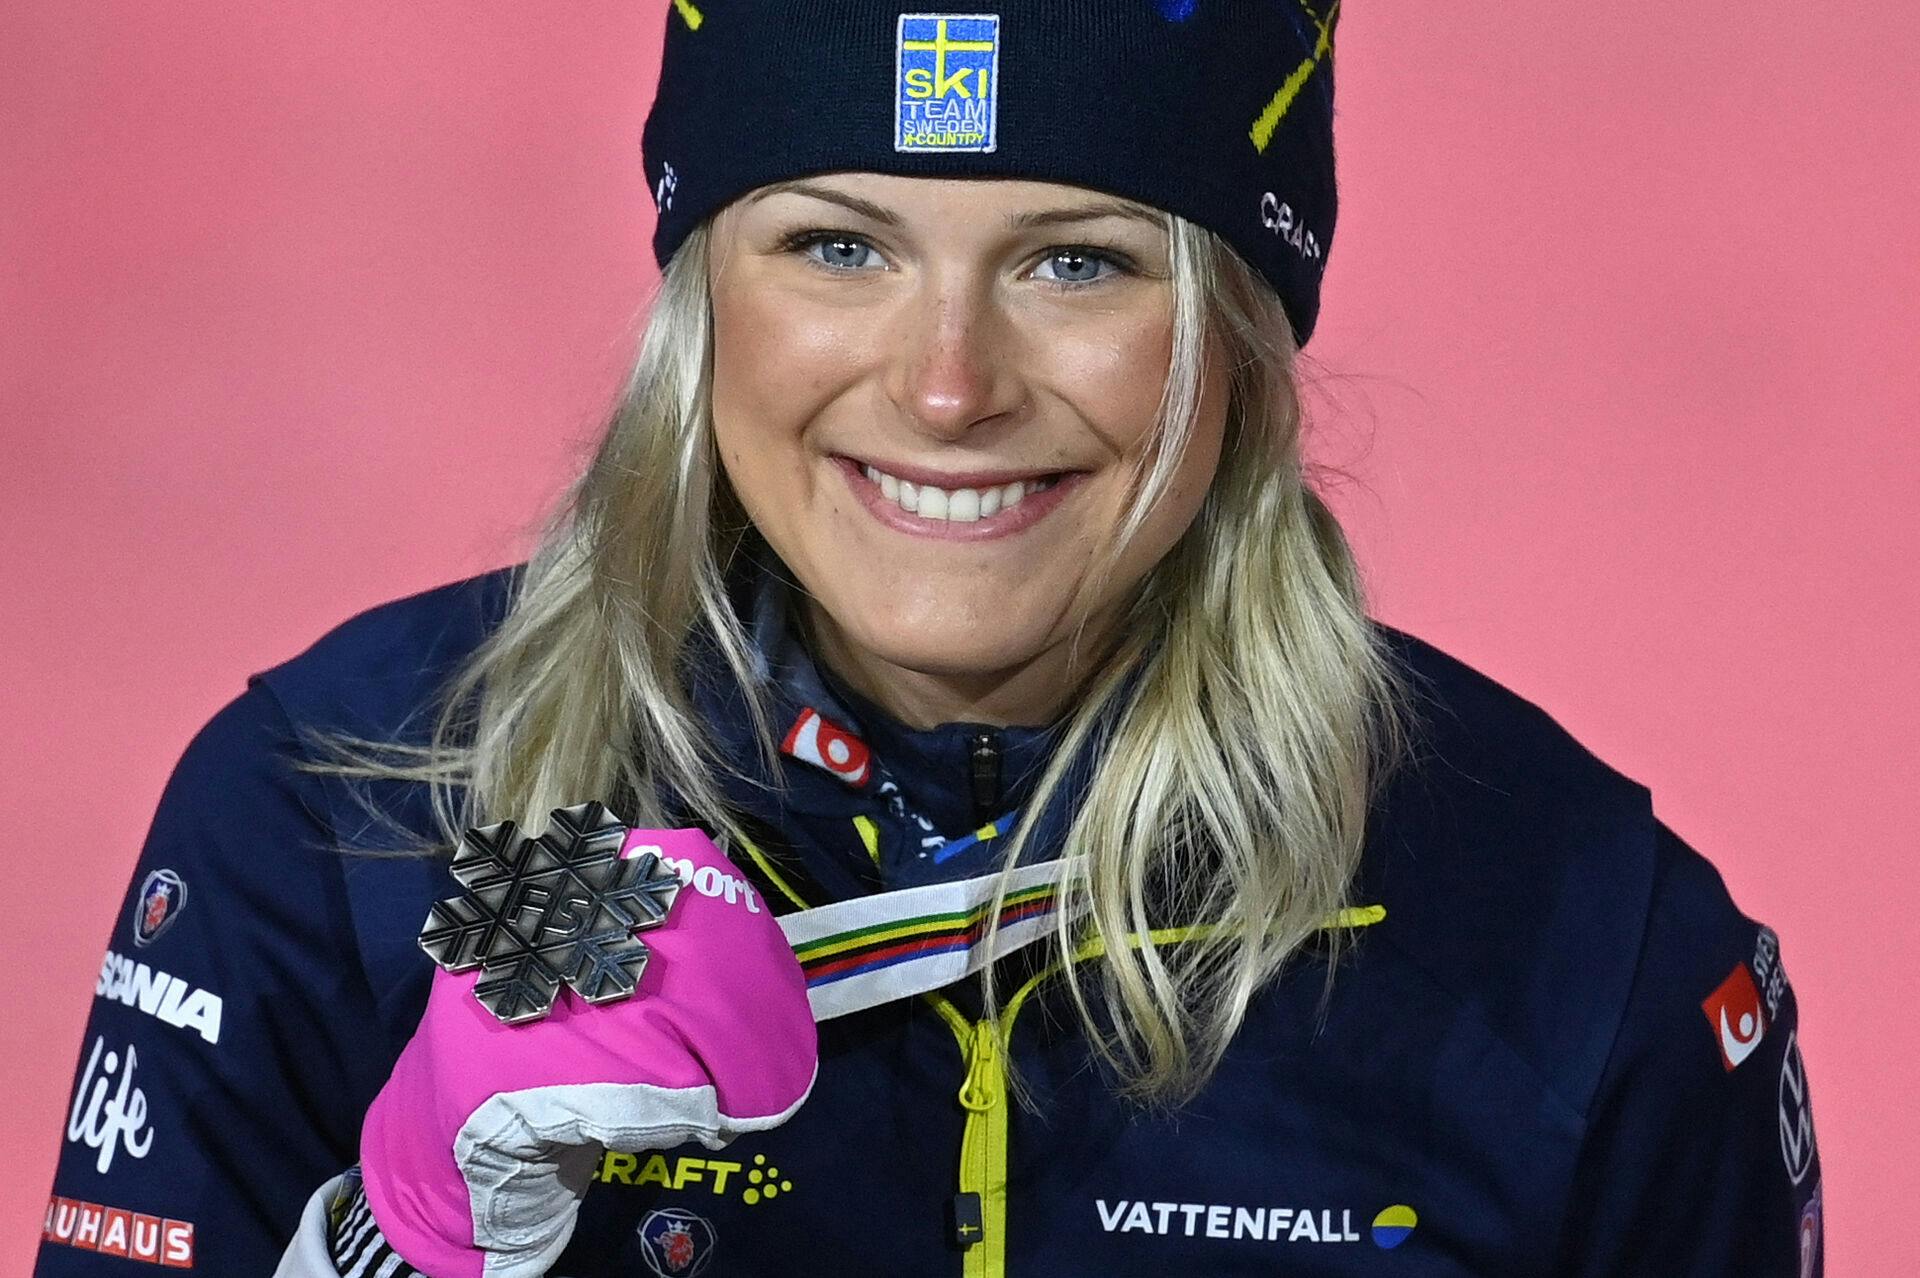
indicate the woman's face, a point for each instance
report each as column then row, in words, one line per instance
column 933, row 397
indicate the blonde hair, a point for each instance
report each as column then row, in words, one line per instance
column 1242, row 723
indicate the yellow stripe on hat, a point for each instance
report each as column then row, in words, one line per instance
column 1269, row 120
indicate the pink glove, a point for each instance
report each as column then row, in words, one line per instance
column 478, row 1149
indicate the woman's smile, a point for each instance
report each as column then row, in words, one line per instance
column 962, row 506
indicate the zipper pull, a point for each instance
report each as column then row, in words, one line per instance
column 983, row 767
column 981, row 1090
column 979, row 1093
column 965, row 1220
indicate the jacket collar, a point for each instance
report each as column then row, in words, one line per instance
column 850, row 775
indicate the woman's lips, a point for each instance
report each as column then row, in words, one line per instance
column 994, row 515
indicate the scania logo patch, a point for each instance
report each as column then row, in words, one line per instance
column 676, row 1243
column 162, row 897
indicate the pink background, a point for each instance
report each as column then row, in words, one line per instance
column 303, row 307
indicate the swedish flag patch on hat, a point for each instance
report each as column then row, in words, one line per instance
column 946, row 82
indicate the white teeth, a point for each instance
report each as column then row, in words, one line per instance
column 959, row 505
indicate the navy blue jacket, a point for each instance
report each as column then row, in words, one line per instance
column 1560, row 1049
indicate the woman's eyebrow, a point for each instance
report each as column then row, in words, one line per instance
column 1086, row 213
column 865, row 208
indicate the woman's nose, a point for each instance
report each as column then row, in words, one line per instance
column 953, row 365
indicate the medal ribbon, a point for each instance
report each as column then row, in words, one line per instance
column 868, row 950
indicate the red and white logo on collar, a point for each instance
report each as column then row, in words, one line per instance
column 1734, row 1012
column 812, row 739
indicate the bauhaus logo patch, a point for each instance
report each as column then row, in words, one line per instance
column 1733, row 1010
column 116, row 1231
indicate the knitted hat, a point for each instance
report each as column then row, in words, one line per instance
column 1218, row 110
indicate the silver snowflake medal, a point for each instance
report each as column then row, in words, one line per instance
column 536, row 913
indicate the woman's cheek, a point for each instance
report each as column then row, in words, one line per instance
column 799, row 360
column 1114, row 373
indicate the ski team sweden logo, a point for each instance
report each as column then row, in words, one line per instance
column 946, row 82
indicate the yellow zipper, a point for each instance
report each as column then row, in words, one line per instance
column 983, row 1094
column 983, row 1142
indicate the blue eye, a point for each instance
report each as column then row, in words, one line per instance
column 1076, row 266
column 838, row 251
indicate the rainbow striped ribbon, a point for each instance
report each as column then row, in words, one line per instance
column 869, row 950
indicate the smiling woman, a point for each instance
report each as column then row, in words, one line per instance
column 950, row 559
column 938, row 413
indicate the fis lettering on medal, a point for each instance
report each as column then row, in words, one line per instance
column 946, row 83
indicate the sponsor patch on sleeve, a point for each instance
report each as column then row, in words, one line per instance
column 1733, row 1012
column 162, row 896
column 116, row 1231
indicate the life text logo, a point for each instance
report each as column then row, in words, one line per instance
column 166, row 998
column 109, row 1113
column 115, row 1231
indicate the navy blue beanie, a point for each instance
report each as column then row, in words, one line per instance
column 1218, row 110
